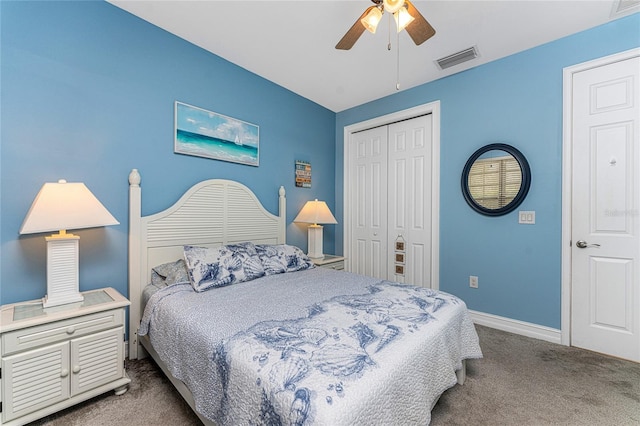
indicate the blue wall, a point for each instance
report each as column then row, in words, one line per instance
column 88, row 93
column 515, row 100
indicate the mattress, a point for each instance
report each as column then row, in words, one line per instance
column 311, row 347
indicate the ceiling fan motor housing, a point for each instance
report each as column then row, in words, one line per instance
column 392, row 6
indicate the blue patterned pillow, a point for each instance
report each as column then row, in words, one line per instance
column 220, row 266
column 280, row 258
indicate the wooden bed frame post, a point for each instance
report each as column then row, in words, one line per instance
column 135, row 213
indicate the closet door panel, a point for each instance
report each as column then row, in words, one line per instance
column 369, row 204
column 410, row 200
column 390, row 177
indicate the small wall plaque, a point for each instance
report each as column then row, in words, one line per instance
column 303, row 174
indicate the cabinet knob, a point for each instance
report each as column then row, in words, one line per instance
column 71, row 330
column 76, row 369
column 64, row 372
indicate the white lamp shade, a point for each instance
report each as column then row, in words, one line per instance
column 372, row 19
column 315, row 212
column 402, row 18
column 61, row 206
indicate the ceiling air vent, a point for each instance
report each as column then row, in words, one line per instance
column 624, row 7
column 458, row 58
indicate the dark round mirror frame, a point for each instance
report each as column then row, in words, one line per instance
column 524, row 187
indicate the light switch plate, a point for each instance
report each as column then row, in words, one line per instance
column 527, row 218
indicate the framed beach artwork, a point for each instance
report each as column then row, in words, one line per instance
column 203, row 133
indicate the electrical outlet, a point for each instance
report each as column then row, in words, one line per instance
column 473, row 281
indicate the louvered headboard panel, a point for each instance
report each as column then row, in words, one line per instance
column 211, row 213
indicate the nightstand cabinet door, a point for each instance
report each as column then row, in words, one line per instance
column 35, row 379
column 96, row 360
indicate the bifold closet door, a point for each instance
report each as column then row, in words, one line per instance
column 391, row 201
column 409, row 201
column 368, row 206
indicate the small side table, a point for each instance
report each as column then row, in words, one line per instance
column 76, row 350
column 330, row 261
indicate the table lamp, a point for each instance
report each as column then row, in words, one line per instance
column 58, row 207
column 316, row 213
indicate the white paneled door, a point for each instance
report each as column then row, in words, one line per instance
column 409, row 200
column 605, row 209
column 368, row 204
column 390, row 174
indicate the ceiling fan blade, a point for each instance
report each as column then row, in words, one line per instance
column 419, row 29
column 354, row 33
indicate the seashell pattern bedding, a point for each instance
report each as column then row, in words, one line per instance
column 312, row 347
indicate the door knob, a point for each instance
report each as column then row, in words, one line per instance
column 584, row 244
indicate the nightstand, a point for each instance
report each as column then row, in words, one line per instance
column 330, row 262
column 57, row 357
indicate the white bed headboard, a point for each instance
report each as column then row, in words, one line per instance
column 211, row 213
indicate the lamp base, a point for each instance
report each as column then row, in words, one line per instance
column 62, row 270
column 315, row 242
column 48, row 303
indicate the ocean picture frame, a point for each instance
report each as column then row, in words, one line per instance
column 207, row 134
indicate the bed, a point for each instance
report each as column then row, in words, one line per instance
column 280, row 341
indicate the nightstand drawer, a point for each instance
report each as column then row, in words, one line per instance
column 58, row 331
column 330, row 261
column 338, row 266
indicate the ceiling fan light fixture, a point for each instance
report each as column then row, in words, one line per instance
column 406, row 16
column 372, row 19
column 403, row 18
column 392, row 6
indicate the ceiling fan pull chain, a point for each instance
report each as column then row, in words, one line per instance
column 389, row 43
column 398, row 63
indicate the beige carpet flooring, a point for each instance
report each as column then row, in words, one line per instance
column 520, row 381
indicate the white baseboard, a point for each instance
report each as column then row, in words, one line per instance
column 528, row 329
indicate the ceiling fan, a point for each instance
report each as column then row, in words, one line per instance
column 406, row 17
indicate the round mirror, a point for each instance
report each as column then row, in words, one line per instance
column 496, row 179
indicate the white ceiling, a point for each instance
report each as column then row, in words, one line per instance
column 292, row 42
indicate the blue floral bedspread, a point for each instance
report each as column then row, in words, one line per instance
column 382, row 356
